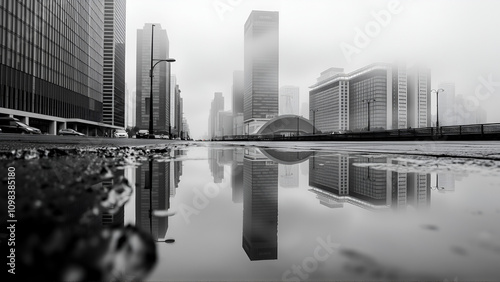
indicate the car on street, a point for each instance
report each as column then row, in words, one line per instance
column 143, row 133
column 120, row 133
column 69, row 131
column 13, row 125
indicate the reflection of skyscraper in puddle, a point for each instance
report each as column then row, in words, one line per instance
column 237, row 175
column 260, row 206
column 152, row 193
column 419, row 190
column 176, row 172
column 445, row 182
column 336, row 180
column 288, row 175
column 329, row 174
column 108, row 219
column 217, row 158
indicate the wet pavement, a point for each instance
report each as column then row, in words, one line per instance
column 237, row 212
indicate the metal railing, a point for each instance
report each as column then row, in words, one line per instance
column 487, row 131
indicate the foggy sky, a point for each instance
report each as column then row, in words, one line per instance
column 458, row 40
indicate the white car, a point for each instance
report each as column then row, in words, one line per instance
column 120, row 133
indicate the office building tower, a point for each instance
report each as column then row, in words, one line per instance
column 113, row 91
column 161, row 79
column 289, row 100
column 260, row 206
column 419, row 97
column 217, row 105
column 238, row 109
column 51, row 63
column 173, row 87
column 261, row 69
column 447, row 113
column 383, row 95
column 329, row 104
column 224, row 123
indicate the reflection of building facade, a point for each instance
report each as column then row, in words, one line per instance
column 261, row 69
column 237, row 175
column 152, row 193
column 260, row 206
column 288, row 175
column 336, row 180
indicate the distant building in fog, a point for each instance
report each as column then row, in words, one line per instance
column 289, row 100
column 238, row 107
column 217, row 105
column 458, row 109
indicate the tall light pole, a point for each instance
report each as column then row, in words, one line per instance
column 314, row 120
column 368, row 101
column 153, row 65
column 437, row 107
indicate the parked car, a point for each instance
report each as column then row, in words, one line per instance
column 13, row 125
column 143, row 133
column 120, row 133
column 69, row 131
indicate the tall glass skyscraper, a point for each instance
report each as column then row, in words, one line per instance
column 114, row 63
column 161, row 80
column 261, row 71
column 51, row 63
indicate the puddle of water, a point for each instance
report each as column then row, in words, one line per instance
column 262, row 214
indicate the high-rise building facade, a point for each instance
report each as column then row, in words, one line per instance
column 161, row 78
column 383, row 95
column 419, row 99
column 289, row 100
column 51, row 63
column 113, row 92
column 261, row 69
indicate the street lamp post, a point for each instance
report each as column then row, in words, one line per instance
column 314, row 120
column 437, row 107
column 368, row 101
column 153, row 65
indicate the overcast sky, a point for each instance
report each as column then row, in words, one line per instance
column 458, row 40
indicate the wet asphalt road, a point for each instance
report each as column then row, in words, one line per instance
column 11, row 141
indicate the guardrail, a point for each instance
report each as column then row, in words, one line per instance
column 487, row 131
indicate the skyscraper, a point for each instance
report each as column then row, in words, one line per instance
column 51, row 63
column 113, row 91
column 289, row 100
column 216, row 106
column 161, row 79
column 238, row 93
column 261, row 70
